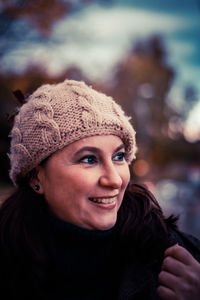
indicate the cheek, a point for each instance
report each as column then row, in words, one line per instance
column 79, row 183
column 126, row 176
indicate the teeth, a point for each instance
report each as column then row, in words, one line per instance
column 103, row 200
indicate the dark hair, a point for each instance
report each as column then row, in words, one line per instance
column 24, row 238
column 143, row 224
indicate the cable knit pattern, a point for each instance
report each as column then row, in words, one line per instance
column 56, row 115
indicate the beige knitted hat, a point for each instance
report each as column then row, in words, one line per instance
column 55, row 116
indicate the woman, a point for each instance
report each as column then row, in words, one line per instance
column 75, row 228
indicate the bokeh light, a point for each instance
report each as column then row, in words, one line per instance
column 141, row 167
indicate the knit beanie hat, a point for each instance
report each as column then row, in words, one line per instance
column 55, row 116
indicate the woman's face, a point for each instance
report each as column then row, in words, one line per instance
column 84, row 183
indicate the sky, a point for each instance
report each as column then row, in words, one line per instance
column 99, row 35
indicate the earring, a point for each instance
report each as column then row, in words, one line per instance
column 37, row 187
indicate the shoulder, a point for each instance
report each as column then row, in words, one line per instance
column 188, row 241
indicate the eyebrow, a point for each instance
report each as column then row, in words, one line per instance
column 97, row 150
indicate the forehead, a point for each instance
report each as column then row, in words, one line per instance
column 101, row 142
column 98, row 140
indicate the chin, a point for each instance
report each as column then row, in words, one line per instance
column 105, row 225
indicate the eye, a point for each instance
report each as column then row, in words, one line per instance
column 119, row 156
column 89, row 159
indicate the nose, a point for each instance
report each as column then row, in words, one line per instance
column 110, row 177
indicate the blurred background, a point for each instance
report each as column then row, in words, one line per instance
column 144, row 53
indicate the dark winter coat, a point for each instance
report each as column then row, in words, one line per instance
column 134, row 280
column 139, row 282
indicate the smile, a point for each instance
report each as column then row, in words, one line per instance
column 103, row 200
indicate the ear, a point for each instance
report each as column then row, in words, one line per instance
column 36, row 182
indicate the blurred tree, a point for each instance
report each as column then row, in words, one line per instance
column 23, row 21
column 190, row 99
column 40, row 14
column 141, row 84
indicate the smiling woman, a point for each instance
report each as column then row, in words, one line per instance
column 75, row 228
column 84, row 183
